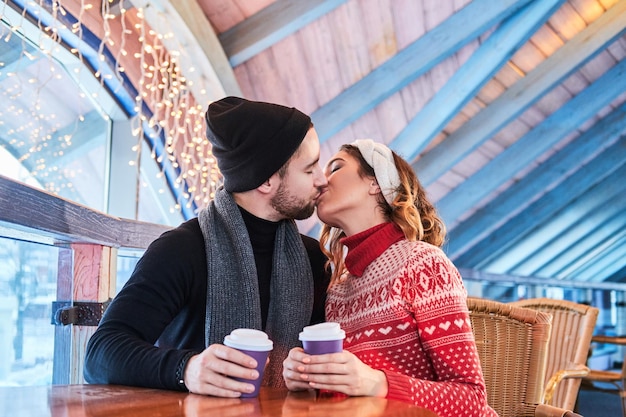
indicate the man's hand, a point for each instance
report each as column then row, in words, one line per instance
column 210, row 372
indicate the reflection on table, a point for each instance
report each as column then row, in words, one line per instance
column 120, row 401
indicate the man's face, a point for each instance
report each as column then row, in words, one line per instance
column 303, row 181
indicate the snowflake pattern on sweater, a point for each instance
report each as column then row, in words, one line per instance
column 407, row 316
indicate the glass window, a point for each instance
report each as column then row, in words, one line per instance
column 55, row 134
column 28, row 280
column 49, row 125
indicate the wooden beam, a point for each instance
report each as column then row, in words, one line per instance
column 580, row 194
column 519, row 196
column 533, row 144
column 408, row 64
column 86, row 273
column 522, row 95
column 35, row 214
column 270, row 25
column 561, row 223
column 471, row 77
column 609, row 258
column 63, row 360
column 618, row 276
column 578, row 240
column 93, row 281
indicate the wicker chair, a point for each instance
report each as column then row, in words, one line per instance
column 572, row 328
column 512, row 344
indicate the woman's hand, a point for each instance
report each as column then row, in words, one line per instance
column 292, row 369
column 341, row 372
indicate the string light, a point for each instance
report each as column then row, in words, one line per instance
column 164, row 106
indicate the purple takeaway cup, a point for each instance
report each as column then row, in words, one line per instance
column 253, row 343
column 322, row 338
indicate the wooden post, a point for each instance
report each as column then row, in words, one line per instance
column 87, row 273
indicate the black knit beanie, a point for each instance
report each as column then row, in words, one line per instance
column 252, row 139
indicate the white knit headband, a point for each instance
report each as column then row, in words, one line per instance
column 380, row 157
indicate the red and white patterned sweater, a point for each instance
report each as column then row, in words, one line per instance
column 403, row 308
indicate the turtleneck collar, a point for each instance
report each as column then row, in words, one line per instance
column 366, row 246
column 262, row 232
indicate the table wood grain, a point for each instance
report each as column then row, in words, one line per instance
column 121, row 401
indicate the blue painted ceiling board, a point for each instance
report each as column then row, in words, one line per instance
column 542, row 236
column 472, row 76
column 519, row 195
column 532, row 145
column 411, row 62
column 270, row 25
column 610, row 259
column 619, row 276
column 519, row 97
column 568, row 200
column 578, row 240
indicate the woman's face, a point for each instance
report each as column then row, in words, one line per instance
column 348, row 197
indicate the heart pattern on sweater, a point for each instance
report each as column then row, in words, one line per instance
column 385, row 330
column 403, row 326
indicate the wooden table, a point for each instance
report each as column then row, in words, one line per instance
column 120, row 401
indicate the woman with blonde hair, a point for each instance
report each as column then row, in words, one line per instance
column 399, row 299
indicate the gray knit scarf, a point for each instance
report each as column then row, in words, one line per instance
column 233, row 287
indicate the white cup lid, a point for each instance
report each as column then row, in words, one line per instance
column 248, row 339
column 322, row 331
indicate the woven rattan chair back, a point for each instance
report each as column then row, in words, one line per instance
column 512, row 344
column 572, row 328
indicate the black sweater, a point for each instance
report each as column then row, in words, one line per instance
column 158, row 318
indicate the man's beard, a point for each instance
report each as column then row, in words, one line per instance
column 291, row 207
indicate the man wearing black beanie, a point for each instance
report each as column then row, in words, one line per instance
column 240, row 264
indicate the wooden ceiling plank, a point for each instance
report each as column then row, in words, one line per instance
column 408, row 18
column 472, row 76
column 410, row 63
column 537, row 141
column 321, row 60
column 542, row 238
column 609, row 258
column 617, row 277
column 577, row 240
column 380, row 32
column 352, row 57
column 589, row 10
column 584, row 191
column 567, row 22
column 522, row 95
column 517, row 197
column 270, row 25
column 618, row 49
